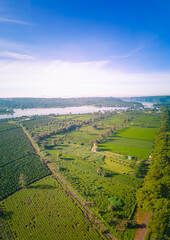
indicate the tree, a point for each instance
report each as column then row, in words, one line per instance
column 59, row 154
column 154, row 195
column 58, row 168
column 22, row 180
column 1, row 211
column 115, row 202
column 44, row 144
column 99, row 170
column 159, row 220
column 139, row 169
column 53, row 142
column 36, row 138
column 110, row 208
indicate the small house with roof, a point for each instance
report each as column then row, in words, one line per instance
column 149, row 159
column 95, row 147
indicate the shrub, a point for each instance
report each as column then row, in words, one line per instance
column 116, row 202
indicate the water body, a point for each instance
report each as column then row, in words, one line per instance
column 58, row 111
column 148, row 104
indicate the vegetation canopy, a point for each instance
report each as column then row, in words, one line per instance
column 154, row 195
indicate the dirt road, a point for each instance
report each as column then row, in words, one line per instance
column 142, row 230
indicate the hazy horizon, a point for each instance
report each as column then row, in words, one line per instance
column 92, row 97
column 53, row 49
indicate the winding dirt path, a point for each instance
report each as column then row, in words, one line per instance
column 142, row 223
column 65, row 184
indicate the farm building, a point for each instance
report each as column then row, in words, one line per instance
column 95, row 148
column 149, row 159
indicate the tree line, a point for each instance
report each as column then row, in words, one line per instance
column 154, row 195
column 64, row 102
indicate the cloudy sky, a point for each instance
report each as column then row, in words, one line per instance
column 73, row 48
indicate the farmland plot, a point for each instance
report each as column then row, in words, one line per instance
column 45, row 210
column 69, row 154
column 30, row 166
column 135, row 141
column 13, row 145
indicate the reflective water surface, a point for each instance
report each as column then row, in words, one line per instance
column 59, row 111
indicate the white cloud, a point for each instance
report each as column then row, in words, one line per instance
column 127, row 54
column 10, row 20
column 15, row 55
column 68, row 79
column 8, row 44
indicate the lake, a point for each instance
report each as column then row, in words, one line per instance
column 148, row 104
column 58, row 111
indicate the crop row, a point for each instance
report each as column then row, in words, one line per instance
column 150, row 120
column 6, row 126
column 44, row 210
column 96, row 191
column 14, row 145
column 88, row 184
column 21, row 173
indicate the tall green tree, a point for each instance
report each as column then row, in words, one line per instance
column 22, row 180
column 154, row 195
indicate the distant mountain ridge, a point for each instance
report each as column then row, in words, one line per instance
column 65, row 102
column 154, row 99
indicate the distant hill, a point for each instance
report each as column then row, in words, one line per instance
column 153, row 99
column 64, row 102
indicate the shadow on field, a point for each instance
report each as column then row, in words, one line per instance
column 109, row 174
column 67, row 159
column 5, row 215
column 99, row 128
column 105, row 149
column 42, row 187
column 57, row 147
column 139, row 226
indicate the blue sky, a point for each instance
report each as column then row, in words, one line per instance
column 84, row 48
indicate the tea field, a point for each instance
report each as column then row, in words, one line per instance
column 95, row 190
column 44, row 210
column 14, row 145
column 17, row 158
column 30, row 166
column 6, row 126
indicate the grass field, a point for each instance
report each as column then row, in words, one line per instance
column 134, row 141
column 45, row 210
column 140, row 153
column 139, row 133
column 116, row 165
column 146, row 119
column 128, row 142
